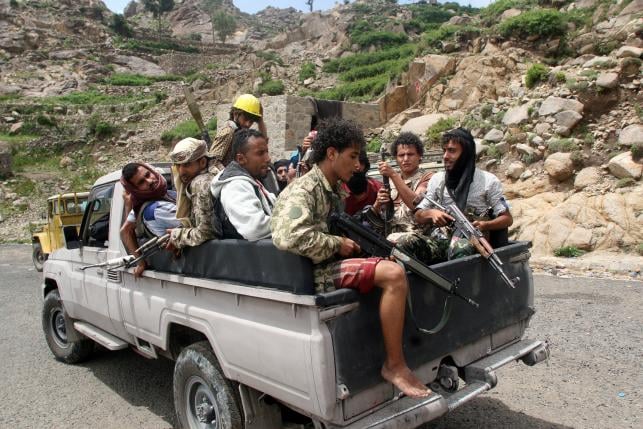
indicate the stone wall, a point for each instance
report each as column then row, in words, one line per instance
column 288, row 119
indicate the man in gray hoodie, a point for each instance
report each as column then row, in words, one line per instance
column 242, row 205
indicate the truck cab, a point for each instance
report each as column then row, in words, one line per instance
column 62, row 210
column 252, row 341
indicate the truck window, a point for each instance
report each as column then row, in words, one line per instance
column 95, row 227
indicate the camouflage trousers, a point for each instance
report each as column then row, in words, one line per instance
column 432, row 250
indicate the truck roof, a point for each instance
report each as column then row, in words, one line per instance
column 116, row 175
column 83, row 194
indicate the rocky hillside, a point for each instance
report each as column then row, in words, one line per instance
column 551, row 91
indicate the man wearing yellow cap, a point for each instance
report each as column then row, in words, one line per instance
column 245, row 111
column 194, row 205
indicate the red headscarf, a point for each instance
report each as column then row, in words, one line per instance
column 138, row 197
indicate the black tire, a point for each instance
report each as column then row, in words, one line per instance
column 53, row 324
column 203, row 397
column 37, row 256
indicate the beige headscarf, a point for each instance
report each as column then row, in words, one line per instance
column 187, row 150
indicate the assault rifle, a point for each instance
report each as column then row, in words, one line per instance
column 147, row 249
column 372, row 244
column 387, row 209
column 476, row 238
column 196, row 114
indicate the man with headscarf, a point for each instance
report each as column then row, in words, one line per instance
column 281, row 170
column 151, row 207
column 195, row 209
column 477, row 193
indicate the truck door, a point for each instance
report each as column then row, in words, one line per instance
column 90, row 286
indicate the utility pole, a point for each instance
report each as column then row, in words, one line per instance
column 310, row 4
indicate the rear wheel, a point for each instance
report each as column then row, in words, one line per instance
column 55, row 328
column 38, row 256
column 203, row 397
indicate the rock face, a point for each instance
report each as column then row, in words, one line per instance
column 421, row 124
column 623, row 166
column 587, row 177
column 137, row 65
column 568, row 118
column 515, row 170
column 559, row 166
column 551, row 220
column 607, row 80
column 494, row 136
column 630, row 135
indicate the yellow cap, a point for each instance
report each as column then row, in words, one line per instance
column 248, row 103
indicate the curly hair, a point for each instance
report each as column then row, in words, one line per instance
column 241, row 138
column 337, row 133
column 407, row 139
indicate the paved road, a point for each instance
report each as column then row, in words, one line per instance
column 595, row 328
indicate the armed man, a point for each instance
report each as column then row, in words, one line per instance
column 300, row 224
column 195, row 208
column 477, row 193
column 151, row 207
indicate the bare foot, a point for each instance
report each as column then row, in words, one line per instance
column 406, row 381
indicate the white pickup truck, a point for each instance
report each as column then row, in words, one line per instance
column 254, row 344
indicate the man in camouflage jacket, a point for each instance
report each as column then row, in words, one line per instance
column 191, row 167
column 300, row 224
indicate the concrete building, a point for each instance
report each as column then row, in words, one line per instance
column 289, row 118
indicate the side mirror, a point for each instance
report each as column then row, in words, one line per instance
column 72, row 241
column 43, row 216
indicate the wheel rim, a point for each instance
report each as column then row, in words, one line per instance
column 40, row 257
column 58, row 328
column 201, row 404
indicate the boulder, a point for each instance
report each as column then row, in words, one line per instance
column 5, row 159
column 517, row 115
column 586, row 177
column 510, row 13
column 629, row 51
column 542, row 128
column 494, row 136
column 597, row 61
column 425, row 72
column 623, row 166
column 528, row 152
column 553, row 105
column 137, row 65
column 526, row 175
column 559, row 166
column 15, row 128
column 480, row 148
column 568, row 118
column 607, row 80
column 515, row 169
column 9, row 89
column 581, row 238
column 630, row 135
column 503, row 147
column 421, row 124
column 394, row 102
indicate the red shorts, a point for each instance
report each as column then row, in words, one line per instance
column 354, row 273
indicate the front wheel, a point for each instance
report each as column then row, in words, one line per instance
column 53, row 324
column 203, row 397
column 37, row 256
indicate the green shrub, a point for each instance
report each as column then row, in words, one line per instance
column 271, row 87
column 380, row 38
column 195, row 37
column 486, row 110
column 535, row 74
column 307, row 71
column 561, row 145
column 119, row 25
column 46, row 121
column 127, row 79
column 544, row 23
column 639, row 249
column 363, row 59
column 637, row 151
column 560, row 77
column 605, row 47
column 159, row 96
column 359, row 90
column 93, row 97
column 270, row 56
column 99, row 128
column 186, row 129
column 577, row 159
column 569, row 252
column 496, row 8
column 494, row 152
column 434, row 133
column 391, row 68
column 374, row 145
column 625, row 182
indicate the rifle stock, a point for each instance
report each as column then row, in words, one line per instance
column 372, row 244
column 196, row 115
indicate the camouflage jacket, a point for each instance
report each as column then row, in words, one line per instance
column 221, row 150
column 201, row 225
column 299, row 218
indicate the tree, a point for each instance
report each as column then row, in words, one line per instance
column 212, row 7
column 310, row 4
column 119, row 25
column 224, row 24
column 158, row 8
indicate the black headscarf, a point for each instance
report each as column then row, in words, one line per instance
column 458, row 180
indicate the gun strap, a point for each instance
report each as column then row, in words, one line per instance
column 446, row 313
